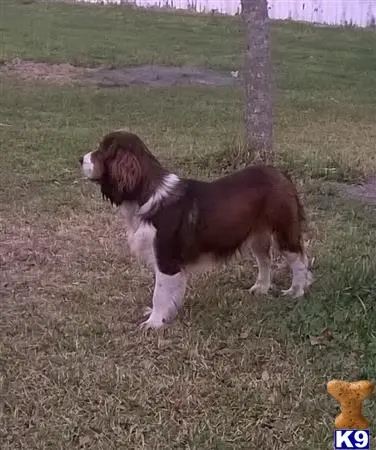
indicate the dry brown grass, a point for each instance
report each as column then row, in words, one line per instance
column 234, row 371
column 78, row 372
column 73, row 301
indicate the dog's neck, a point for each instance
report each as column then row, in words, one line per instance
column 143, row 209
column 165, row 189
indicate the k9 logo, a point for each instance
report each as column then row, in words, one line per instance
column 351, row 439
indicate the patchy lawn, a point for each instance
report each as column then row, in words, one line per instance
column 234, row 371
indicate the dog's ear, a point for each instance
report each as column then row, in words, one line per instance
column 125, row 171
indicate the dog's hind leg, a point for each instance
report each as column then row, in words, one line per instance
column 291, row 245
column 261, row 249
column 301, row 275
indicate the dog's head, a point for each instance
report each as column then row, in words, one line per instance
column 123, row 167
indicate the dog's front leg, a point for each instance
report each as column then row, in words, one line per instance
column 168, row 298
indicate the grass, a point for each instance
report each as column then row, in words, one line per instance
column 234, row 371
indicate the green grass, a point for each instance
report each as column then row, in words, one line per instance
column 234, row 371
column 92, row 35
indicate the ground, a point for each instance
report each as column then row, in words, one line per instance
column 149, row 75
column 235, row 371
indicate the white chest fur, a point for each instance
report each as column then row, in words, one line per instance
column 140, row 235
column 141, row 238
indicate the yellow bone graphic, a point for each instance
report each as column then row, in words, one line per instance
column 351, row 396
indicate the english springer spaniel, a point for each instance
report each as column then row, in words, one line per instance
column 173, row 224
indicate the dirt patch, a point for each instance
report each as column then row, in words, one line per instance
column 149, row 75
column 365, row 192
column 60, row 74
column 158, row 76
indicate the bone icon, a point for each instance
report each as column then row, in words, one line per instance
column 351, row 396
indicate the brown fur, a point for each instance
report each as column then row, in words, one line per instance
column 198, row 217
column 127, row 169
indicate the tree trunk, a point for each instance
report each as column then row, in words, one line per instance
column 258, row 81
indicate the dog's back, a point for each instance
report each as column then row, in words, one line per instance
column 257, row 199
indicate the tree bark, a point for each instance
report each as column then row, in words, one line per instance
column 258, row 81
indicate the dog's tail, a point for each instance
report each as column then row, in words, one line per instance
column 300, row 208
column 301, row 214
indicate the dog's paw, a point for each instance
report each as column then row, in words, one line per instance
column 293, row 291
column 259, row 289
column 147, row 311
column 154, row 321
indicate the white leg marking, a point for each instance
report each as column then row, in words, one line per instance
column 301, row 276
column 88, row 166
column 168, row 298
column 260, row 245
column 263, row 281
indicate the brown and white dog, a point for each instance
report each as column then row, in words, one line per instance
column 173, row 224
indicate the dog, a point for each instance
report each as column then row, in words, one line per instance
column 173, row 224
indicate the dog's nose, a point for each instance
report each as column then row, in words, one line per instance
column 81, row 160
